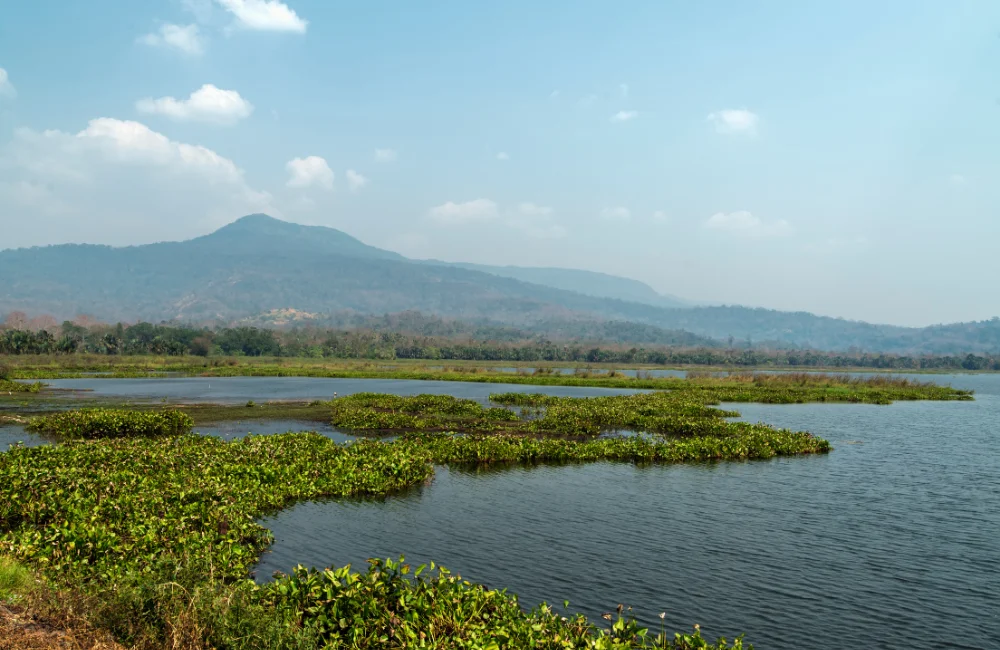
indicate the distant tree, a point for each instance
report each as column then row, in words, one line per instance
column 250, row 341
column 16, row 320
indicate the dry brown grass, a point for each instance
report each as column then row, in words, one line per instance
column 23, row 629
column 812, row 379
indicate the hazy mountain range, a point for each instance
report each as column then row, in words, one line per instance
column 258, row 265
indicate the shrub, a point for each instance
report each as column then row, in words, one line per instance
column 113, row 423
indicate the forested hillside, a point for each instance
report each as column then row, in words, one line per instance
column 259, row 266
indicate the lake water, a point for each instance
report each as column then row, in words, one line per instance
column 890, row 541
column 11, row 435
column 261, row 389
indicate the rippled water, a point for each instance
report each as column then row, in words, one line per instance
column 890, row 541
column 16, row 435
column 239, row 389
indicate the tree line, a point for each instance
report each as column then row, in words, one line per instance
column 171, row 340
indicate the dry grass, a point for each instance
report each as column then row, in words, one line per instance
column 23, row 629
column 810, row 379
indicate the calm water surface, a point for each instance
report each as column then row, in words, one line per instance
column 890, row 541
column 239, row 389
column 16, row 435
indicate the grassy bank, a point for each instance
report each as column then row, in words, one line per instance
column 83, row 365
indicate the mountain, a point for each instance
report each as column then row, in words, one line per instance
column 255, row 233
column 589, row 283
column 259, row 265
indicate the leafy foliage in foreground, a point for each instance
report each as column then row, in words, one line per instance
column 112, row 423
column 393, row 605
column 122, row 519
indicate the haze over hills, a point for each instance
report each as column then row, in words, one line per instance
column 259, row 264
column 590, row 283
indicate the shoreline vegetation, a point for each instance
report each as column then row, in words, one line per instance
column 36, row 368
column 414, row 337
column 148, row 532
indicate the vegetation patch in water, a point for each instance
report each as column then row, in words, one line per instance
column 159, row 532
column 10, row 386
column 112, row 423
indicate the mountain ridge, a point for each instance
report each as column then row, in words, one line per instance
column 259, row 264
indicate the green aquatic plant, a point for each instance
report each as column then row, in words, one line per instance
column 112, row 423
column 10, row 386
column 118, row 519
column 395, row 605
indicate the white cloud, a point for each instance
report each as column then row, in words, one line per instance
column 385, row 155
column 6, row 87
column 264, row 15
column 503, row 155
column 203, row 10
column 624, row 116
column 659, row 216
column 468, row 212
column 617, row 214
column 309, row 171
column 117, row 182
column 533, row 210
column 958, row 180
column 355, row 180
column 745, row 224
column 186, row 39
column 535, row 221
column 734, row 121
column 207, row 104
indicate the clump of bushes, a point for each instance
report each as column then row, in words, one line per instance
column 7, row 385
column 112, row 423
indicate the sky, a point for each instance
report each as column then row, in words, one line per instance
column 839, row 157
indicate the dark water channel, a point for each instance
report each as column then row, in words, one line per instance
column 890, row 541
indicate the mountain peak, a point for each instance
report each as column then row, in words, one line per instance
column 263, row 234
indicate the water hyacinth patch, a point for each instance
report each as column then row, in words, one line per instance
column 125, row 516
column 10, row 386
column 112, row 423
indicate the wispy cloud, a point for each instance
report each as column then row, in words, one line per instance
column 503, row 156
column 385, row 155
column 659, row 216
column 186, row 39
column 734, row 121
column 309, row 171
column 264, row 15
column 535, row 221
column 529, row 209
column 624, row 116
column 958, row 180
column 623, row 90
column 355, row 181
column 745, row 224
column 207, row 104
column 6, row 87
column 473, row 211
column 619, row 213
column 63, row 180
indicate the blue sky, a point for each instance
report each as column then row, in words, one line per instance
column 840, row 158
